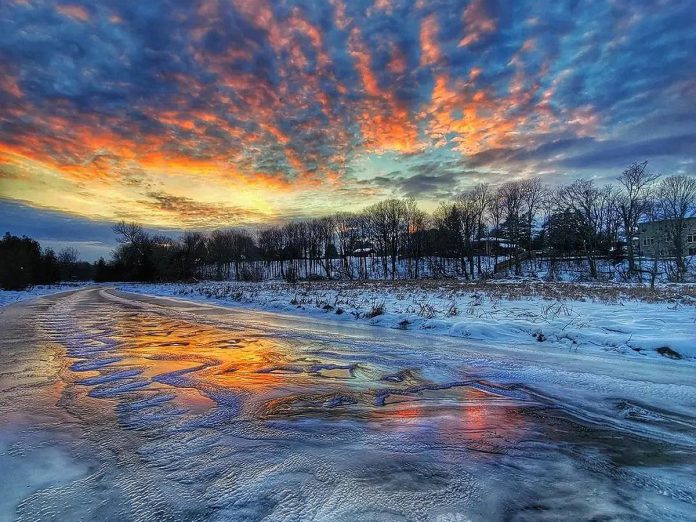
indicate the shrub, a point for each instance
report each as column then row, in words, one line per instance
column 666, row 351
column 377, row 309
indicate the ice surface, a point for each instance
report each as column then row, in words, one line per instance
column 29, row 464
column 149, row 410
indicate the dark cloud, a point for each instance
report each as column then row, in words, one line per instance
column 426, row 179
column 430, row 185
column 511, row 156
column 93, row 239
column 582, row 154
column 618, row 154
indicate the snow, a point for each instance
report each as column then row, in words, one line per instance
column 12, row 296
column 613, row 322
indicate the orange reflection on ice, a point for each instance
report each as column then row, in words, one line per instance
column 461, row 415
column 215, row 357
column 483, row 419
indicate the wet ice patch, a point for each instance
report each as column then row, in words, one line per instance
column 29, row 463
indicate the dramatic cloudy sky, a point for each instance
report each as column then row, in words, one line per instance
column 202, row 114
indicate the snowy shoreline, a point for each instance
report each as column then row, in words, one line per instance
column 8, row 297
column 626, row 320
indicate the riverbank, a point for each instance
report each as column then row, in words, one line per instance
column 626, row 320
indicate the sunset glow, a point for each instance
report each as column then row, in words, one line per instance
column 225, row 112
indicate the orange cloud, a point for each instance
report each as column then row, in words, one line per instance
column 340, row 16
column 469, row 117
column 397, row 62
column 477, row 23
column 385, row 121
column 10, row 85
column 76, row 12
column 430, row 51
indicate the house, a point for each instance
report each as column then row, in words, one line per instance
column 493, row 245
column 364, row 252
column 654, row 238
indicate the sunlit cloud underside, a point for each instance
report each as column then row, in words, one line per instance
column 215, row 113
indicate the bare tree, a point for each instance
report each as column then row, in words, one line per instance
column 294, row 240
column 388, row 219
column 416, row 221
column 128, row 232
column 547, row 208
column 270, row 244
column 677, row 199
column 632, row 203
column 480, row 200
column 447, row 220
column 512, row 200
column 192, row 253
column 68, row 256
column 347, row 234
column 362, row 238
column 221, row 252
column 468, row 212
column 135, row 251
column 533, row 192
column 653, row 211
column 496, row 209
column 241, row 249
column 321, row 232
column 592, row 207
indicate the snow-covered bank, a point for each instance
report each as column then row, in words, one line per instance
column 625, row 320
column 12, row 296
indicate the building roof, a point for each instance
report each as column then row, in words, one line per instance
column 661, row 221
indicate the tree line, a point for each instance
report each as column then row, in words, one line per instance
column 483, row 231
column 24, row 263
column 480, row 232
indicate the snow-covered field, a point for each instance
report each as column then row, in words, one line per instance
column 12, row 296
column 629, row 321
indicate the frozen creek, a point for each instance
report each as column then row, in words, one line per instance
column 123, row 407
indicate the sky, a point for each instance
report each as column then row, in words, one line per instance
column 218, row 113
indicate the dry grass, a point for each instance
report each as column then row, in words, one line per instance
column 512, row 290
column 533, row 301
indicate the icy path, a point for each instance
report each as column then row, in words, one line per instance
column 124, row 407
